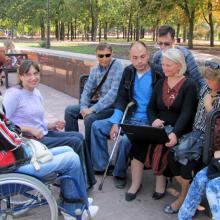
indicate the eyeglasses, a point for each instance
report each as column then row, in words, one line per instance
column 104, row 55
column 212, row 64
column 166, row 44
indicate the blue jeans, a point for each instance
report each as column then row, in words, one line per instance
column 65, row 162
column 201, row 185
column 99, row 147
column 75, row 141
column 71, row 117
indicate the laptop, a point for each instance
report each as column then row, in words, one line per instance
column 146, row 134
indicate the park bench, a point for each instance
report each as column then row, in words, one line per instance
column 13, row 62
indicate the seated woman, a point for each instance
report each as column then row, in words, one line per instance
column 65, row 162
column 185, row 158
column 173, row 103
column 24, row 107
column 202, row 183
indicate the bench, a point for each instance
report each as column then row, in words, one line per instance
column 13, row 62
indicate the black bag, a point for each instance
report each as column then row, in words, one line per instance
column 214, row 169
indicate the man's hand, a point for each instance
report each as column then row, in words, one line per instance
column 173, row 140
column 114, row 131
column 158, row 123
column 59, row 125
column 36, row 133
column 86, row 111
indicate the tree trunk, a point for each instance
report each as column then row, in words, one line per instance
column 100, row 31
column 57, row 30
column 71, row 31
column 177, row 30
column 106, row 31
column 191, row 28
column 42, row 30
column 117, row 31
column 184, row 33
column 137, row 35
column 62, row 31
column 129, row 27
column 75, row 25
column 68, row 31
column 212, row 34
column 94, row 17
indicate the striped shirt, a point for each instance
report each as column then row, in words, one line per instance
column 201, row 114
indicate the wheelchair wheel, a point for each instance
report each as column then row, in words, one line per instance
column 24, row 197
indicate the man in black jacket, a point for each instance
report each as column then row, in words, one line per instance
column 136, row 85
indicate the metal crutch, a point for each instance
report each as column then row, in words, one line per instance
column 115, row 144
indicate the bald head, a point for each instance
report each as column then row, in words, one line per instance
column 139, row 56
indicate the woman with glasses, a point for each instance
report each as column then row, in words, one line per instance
column 185, row 158
column 24, row 107
column 209, row 100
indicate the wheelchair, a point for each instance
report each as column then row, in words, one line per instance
column 26, row 197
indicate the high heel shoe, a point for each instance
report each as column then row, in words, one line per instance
column 157, row 195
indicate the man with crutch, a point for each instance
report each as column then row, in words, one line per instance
column 136, row 86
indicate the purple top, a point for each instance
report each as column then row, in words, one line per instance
column 25, row 108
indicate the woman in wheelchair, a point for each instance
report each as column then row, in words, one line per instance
column 207, row 181
column 16, row 189
column 24, row 107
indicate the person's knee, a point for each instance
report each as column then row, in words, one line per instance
column 89, row 120
column 73, row 158
column 72, row 110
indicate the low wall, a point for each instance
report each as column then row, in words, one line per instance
column 61, row 70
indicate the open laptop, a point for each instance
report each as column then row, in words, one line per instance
column 146, row 134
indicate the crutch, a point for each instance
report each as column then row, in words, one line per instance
column 115, row 144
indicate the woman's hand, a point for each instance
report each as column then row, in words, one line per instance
column 173, row 140
column 114, row 131
column 158, row 123
column 36, row 133
column 57, row 125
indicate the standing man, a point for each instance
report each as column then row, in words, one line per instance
column 165, row 40
column 102, row 108
column 136, row 85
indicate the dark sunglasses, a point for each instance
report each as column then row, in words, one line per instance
column 104, row 55
column 212, row 64
column 167, row 44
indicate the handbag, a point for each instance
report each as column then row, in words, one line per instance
column 38, row 152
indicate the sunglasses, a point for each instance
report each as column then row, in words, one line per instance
column 167, row 44
column 212, row 64
column 104, row 55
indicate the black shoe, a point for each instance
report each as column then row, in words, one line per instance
column 157, row 195
column 131, row 196
column 120, row 182
column 1, row 82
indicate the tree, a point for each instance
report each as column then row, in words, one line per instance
column 189, row 7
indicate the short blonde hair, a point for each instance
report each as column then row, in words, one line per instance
column 176, row 56
column 212, row 69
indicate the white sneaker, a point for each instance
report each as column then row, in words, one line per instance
column 90, row 200
column 67, row 216
column 93, row 209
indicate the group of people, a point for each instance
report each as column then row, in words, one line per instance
column 164, row 89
